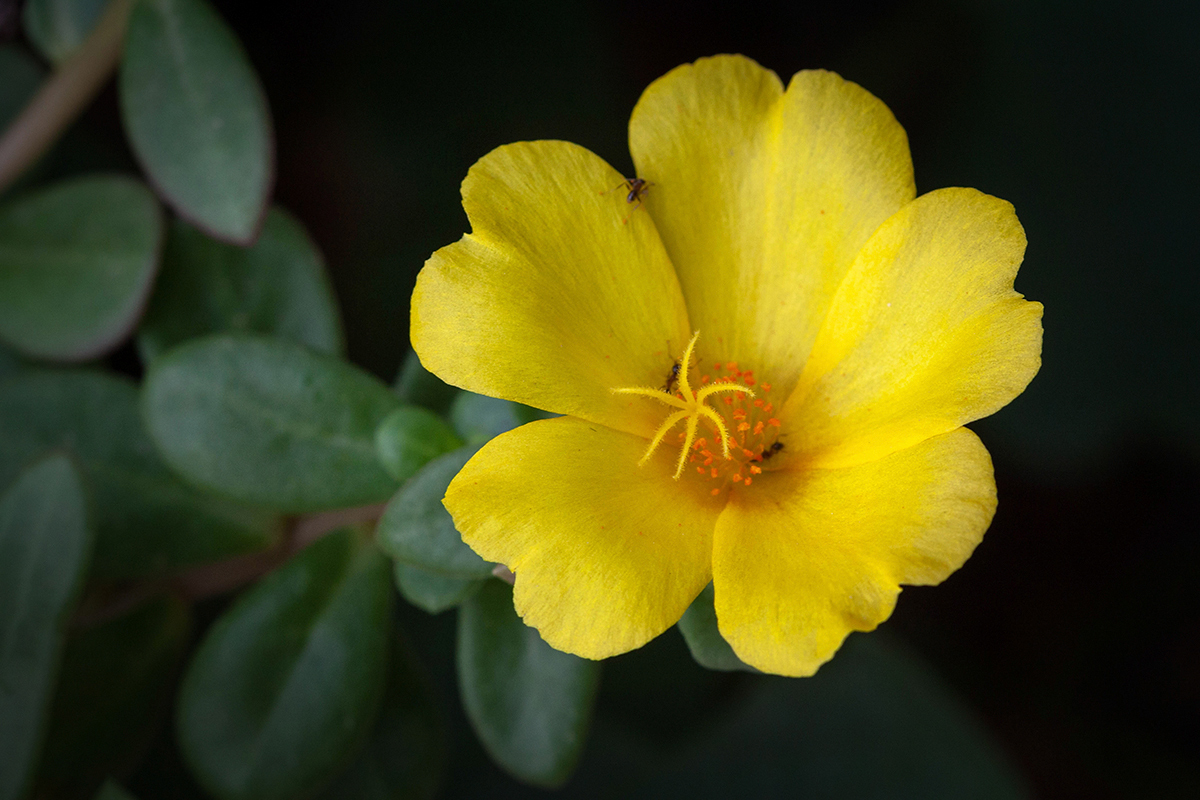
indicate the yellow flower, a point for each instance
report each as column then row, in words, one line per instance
column 824, row 335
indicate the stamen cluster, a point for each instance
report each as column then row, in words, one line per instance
column 740, row 437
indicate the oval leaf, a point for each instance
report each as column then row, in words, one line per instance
column 286, row 683
column 77, row 262
column 708, row 647
column 409, row 438
column 406, row 755
column 146, row 520
column 44, row 544
column 529, row 704
column 58, row 27
column 417, row 529
column 270, row 422
column 478, row 418
column 197, row 117
column 114, row 686
column 430, row 591
column 278, row 285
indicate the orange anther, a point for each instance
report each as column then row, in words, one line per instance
column 737, row 478
column 731, row 365
column 747, row 481
column 715, row 472
column 705, row 379
column 707, row 461
column 753, row 470
column 700, row 470
column 766, row 387
column 769, row 407
column 747, row 381
column 739, row 413
column 717, row 365
column 728, row 400
column 743, row 426
column 715, row 492
column 758, row 427
column 758, row 402
column 748, row 453
column 774, row 422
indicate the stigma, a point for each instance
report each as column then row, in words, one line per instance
column 728, row 428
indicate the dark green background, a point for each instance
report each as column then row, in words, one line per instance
column 1073, row 631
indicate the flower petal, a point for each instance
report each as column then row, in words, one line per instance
column 925, row 334
column 607, row 555
column 561, row 292
column 811, row 555
column 763, row 198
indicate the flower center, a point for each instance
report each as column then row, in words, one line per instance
column 739, row 432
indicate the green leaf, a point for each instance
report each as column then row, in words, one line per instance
column 478, row 418
column 115, row 684
column 269, row 422
column 406, row 755
column 58, row 27
column 147, row 521
column 20, row 75
column 419, row 386
column 430, row 591
column 278, row 285
column 529, row 704
column 197, row 117
column 409, row 438
column 287, row 682
column 44, row 544
column 699, row 629
column 112, row 791
column 77, row 262
column 9, row 364
column 417, row 529
column 874, row 722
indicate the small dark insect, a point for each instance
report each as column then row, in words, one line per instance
column 672, row 378
column 637, row 189
column 637, row 192
column 772, row 450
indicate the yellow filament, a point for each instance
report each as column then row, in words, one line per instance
column 691, row 407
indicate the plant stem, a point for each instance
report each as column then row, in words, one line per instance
column 65, row 94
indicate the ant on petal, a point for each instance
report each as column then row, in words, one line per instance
column 637, row 192
column 672, row 379
column 772, row 450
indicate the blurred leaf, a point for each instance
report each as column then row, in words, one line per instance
column 406, row 755
column 478, row 418
column 146, row 519
column 287, row 682
column 197, row 117
column 19, row 78
column 77, row 262
column 430, row 591
column 44, row 544
column 269, row 422
column 58, row 27
column 112, row 791
column 409, row 438
column 699, row 629
column 873, row 723
column 529, row 704
column 115, row 683
column 419, row 386
column 278, row 285
column 9, row 364
column 417, row 529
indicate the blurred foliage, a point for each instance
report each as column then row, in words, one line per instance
column 234, row 355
